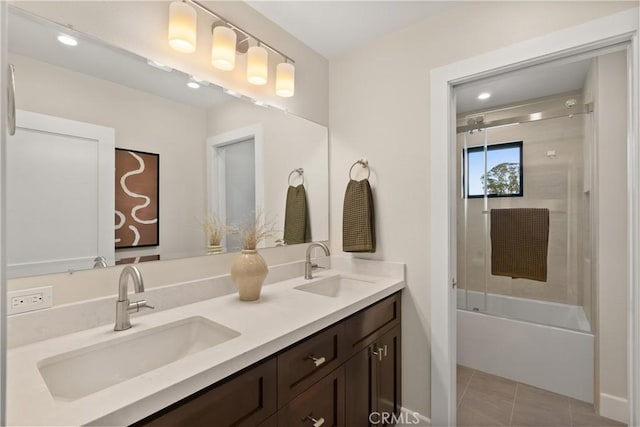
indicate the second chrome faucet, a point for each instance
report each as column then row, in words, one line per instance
column 308, row 265
column 123, row 306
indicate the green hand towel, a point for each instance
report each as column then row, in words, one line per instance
column 358, row 218
column 297, row 227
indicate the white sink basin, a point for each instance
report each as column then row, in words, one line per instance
column 337, row 286
column 70, row 376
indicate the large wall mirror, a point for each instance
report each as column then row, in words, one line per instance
column 108, row 140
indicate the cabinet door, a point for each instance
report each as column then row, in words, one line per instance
column 373, row 383
column 388, row 376
column 244, row 400
column 359, row 388
column 364, row 327
column 321, row 405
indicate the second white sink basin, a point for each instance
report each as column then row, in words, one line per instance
column 337, row 286
column 70, row 376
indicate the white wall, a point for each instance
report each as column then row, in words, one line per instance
column 141, row 27
column 379, row 98
column 610, row 110
column 289, row 142
column 143, row 122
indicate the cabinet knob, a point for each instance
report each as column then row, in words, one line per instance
column 317, row 360
column 316, row 423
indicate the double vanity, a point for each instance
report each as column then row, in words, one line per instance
column 294, row 355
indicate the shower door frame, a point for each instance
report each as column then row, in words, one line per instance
column 599, row 33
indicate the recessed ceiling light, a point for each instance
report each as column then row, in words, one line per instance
column 68, row 40
column 484, row 95
column 193, row 85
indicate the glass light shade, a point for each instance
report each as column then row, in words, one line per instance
column 257, row 65
column 223, row 48
column 182, row 27
column 285, row 80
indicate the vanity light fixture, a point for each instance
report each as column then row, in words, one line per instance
column 285, row 79
column 223, row 48
column 257, row 65
column 67, row 40
column 484, row 96
column 227, row 41
column 182, row 27
column 193, row 85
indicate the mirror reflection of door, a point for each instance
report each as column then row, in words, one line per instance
column 237, row 185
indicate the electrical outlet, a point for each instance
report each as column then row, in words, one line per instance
column 29, row 299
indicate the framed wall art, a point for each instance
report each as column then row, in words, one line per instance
column 137, row 199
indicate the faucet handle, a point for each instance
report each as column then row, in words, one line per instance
column 136, row 306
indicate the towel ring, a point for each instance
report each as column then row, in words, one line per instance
column 299, row 171
column 364, row 163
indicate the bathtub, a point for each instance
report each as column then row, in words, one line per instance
column 546, row 345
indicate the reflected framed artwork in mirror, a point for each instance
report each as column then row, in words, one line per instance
column 137, row 189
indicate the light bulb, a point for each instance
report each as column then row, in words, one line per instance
column 182, row 27
column 257, row 65
column 285, row 79
column 223, row 48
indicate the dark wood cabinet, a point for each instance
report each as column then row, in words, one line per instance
column 321, row 405
column 346, row 375
column 373, row 382
column 246, row 399
column 306, row 362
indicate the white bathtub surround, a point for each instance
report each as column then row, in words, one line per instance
column 546, row 313
column 547, row 357
column 283, row 316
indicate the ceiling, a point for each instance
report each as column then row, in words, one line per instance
column 332, row 28
column 529, row 83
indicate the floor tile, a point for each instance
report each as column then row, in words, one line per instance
column 581, row 407
column 487, row 401
column 463, row 376
column 536, row 407
column 492, row 386
column 476, row 409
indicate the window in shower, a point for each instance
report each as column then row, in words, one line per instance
column 503, row 177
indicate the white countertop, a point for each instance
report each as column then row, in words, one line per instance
column 281, row 317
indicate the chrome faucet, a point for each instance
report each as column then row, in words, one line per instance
column 123, row 306
column 308, row 265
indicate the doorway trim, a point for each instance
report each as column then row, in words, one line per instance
column 215, row 187
column 619, row 27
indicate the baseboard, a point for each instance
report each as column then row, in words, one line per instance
column 615, row 408
column 410, row 418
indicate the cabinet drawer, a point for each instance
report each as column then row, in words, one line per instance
column 244, row 400
column 324, row 402
column 305, row 363
column 363, row 328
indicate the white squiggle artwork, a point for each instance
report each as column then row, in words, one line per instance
column 122, row 219
column 136, row 233
column 147, row 201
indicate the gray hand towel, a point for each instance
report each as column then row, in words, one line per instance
column 358, row 218
column 519, row 243
column 297, row 227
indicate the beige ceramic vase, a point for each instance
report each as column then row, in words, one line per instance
column 248, row 271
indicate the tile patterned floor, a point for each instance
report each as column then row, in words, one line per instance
column 487, row 400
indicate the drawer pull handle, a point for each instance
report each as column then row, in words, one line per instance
column 317, row 360
column 316, row 423
column 380, row 352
